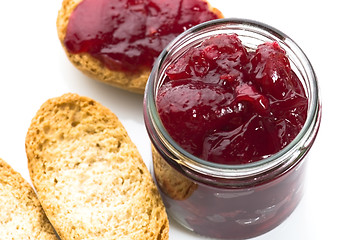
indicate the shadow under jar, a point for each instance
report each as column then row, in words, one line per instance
column 242, row 199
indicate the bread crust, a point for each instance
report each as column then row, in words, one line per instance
column 130, row 81
column 21, row 215
column 170, row 181
column 93, row 68
column 90, row 178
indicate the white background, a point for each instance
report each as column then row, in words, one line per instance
column 33, row 68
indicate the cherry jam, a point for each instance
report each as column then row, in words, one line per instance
column 127, row 34
column 232, row 110
column 233, row 106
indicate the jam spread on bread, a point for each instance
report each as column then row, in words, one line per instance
column 226, row 104
column 127, row 34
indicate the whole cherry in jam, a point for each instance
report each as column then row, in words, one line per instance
column 127, row 34
column 226, row 104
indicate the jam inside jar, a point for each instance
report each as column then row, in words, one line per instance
column 225, row 197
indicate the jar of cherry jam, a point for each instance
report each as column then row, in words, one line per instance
column 204, row 187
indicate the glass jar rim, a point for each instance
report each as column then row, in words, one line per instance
column 304, row 138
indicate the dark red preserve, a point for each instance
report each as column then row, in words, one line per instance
column 232, row 110
column 226, row 104
column 128, row 34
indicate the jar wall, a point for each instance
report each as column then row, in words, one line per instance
column 231, row 202
column 228, row 213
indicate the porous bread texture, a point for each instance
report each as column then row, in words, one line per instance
column 21, row 215
column 89, row 176
column 93, row 68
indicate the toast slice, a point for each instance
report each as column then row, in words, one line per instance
column 89, row 176
column 21, row 215
column 133, row 81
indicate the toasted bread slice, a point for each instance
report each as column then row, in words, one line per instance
column 21, row 215
column 133, row 81
column 89, row 176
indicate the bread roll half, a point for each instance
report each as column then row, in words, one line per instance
column 133, row 81
column 90, row 178
column 21, row 215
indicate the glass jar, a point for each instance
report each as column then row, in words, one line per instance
column 231, row 201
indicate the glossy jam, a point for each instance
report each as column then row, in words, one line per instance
column 228, row 105
column 126, row 34
column 233, row 102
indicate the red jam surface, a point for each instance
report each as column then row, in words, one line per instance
column 228, row 105
column 126, row 34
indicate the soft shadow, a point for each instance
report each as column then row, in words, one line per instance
column 126, row 105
